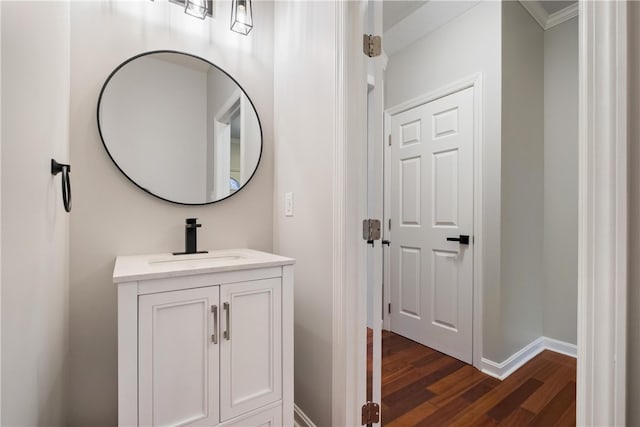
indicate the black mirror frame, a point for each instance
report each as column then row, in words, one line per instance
column 104, row 86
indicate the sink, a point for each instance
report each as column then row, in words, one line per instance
column 164, row 265
column 197, row 259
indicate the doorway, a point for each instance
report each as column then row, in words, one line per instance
column 514, row 306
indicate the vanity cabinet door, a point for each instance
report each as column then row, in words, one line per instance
column 250, row 346
column 177, row 358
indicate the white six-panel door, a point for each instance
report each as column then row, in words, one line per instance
column 178, row 361
column 251, row 346
column 431, row 200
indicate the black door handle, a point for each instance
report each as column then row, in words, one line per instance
column 463, row 239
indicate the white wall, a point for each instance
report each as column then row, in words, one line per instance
column 35, row 286
column 304, row 129
column 153, row 117
column 633, row 338
column 522, row 269
column 561, row 181
column 111, row 215
column 467, row 45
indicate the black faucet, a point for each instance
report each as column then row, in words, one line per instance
column 191, row 238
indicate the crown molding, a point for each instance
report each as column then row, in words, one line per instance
column 545, row 20
column 562, row 15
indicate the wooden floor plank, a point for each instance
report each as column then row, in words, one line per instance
column 421, row 386
column 568, row 419
column 413, row 417
column 519, row 417
column 555, row 381
column 555, row 409
column 455, row 384
column 513, row 400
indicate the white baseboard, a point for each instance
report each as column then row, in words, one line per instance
column 300, row 419
column 561, row 347
column 515, row 361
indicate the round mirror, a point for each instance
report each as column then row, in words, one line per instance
column 179, row 127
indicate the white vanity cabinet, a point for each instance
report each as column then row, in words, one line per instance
column 205, row 340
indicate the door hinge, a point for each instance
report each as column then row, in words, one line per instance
column 372, row 45
column 389, row 224
column 371, row 230
column 370, row 413
column 389, row 308
column 389, row 140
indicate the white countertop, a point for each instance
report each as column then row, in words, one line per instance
column 156, row 266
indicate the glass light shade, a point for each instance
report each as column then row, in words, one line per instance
column 197, row 8
column 241, row 16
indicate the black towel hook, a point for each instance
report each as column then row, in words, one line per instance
column 66, row 182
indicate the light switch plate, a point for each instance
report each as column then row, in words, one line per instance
column 288, row 204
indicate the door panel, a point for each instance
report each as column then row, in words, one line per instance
column 267, row 418
column 410, row 191
column 410, row 267
column 445, row 189
column 432, row 196
column 178, row 362
column 445, row 288
column 250, row 352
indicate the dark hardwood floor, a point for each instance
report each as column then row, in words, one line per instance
column 422, row 387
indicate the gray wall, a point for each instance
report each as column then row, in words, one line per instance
column 633, row 340
column 35, row 227
column 522, row 178
column 467, row 45
column 113, row 217
column 304, row 96
column 561, row 181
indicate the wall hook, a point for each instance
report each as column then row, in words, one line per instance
column 66, row 182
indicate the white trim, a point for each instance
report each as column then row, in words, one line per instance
column 340, row 353
column 562, row 16
column 503, row 369
column 300, row 419
column 602, row 223
column 348, row 386
column 441, row 92
column 546, row 21
column 561, row 347
column 474, row 81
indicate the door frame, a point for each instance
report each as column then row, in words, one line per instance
column 602, row 211
column 473, row 81
column 602, row 228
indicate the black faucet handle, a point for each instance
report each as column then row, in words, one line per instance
column 191, row 223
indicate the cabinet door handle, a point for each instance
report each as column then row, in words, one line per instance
column 214, row 336
column 227, row 333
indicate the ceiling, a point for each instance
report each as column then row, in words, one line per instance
column 394, row 11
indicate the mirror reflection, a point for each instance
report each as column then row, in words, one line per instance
column 179, row 127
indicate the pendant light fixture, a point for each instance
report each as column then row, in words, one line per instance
column 197, row 8
column 241, row 16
